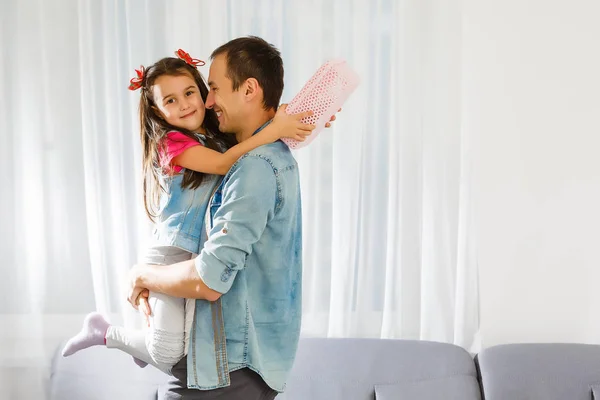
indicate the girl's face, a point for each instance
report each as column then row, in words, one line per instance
column 179, row 101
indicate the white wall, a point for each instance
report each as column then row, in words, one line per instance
column 533, row 87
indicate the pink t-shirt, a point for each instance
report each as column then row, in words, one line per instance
column 175, row 144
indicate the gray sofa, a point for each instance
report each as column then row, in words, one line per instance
column 361, row 369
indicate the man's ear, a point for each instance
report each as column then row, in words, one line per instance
column 251, row 88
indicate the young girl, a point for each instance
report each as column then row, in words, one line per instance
column 181, row 158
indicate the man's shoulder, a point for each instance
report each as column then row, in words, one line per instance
column 277, row 154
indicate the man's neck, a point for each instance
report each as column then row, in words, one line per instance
column 253, row 122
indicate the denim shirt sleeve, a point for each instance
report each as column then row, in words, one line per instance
column 249, row 201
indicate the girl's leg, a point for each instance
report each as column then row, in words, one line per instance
column 165, row 337
column 165, row 343
column 190, row 309
column 170, row 323
column 162, row 344
column 93, row 333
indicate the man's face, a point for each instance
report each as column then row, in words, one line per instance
column 228, row 104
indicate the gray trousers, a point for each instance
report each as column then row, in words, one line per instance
column 245, row 385
column 165, row 342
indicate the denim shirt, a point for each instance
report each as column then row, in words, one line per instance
column 254, row 257
column 181, row 212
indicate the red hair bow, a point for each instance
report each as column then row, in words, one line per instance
column 194, row 62
column 136, row 83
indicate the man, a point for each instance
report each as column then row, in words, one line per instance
column 248, row 277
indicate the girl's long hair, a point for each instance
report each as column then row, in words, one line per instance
column 153, row 130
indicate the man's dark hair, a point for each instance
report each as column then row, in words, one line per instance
column 252, row 57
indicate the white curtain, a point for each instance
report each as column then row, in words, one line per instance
column 389, row 246
column 389, row 241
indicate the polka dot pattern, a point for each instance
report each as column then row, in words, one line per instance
column 323, row 94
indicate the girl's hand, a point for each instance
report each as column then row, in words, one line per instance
column 328, row 124
column 289, row 125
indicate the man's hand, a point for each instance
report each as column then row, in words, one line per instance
column 144, row 305
column 178, row 280
column 134, row 290
column 138, row 296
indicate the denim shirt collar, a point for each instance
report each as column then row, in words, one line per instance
column 263, row 126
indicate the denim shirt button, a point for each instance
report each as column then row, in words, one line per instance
column 226, row 274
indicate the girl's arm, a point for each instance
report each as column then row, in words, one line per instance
column 203, row 159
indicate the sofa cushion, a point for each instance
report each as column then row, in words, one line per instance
column 451, row 388
column 336, row 369
column 539, row 371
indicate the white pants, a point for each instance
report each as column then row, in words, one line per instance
column 166, row 341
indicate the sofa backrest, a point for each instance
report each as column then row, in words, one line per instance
column 332, row 369
column 540, row 371
column 357, row 369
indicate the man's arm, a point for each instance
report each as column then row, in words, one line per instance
column 178, row 280
column 249, row 201
column 249, row 197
